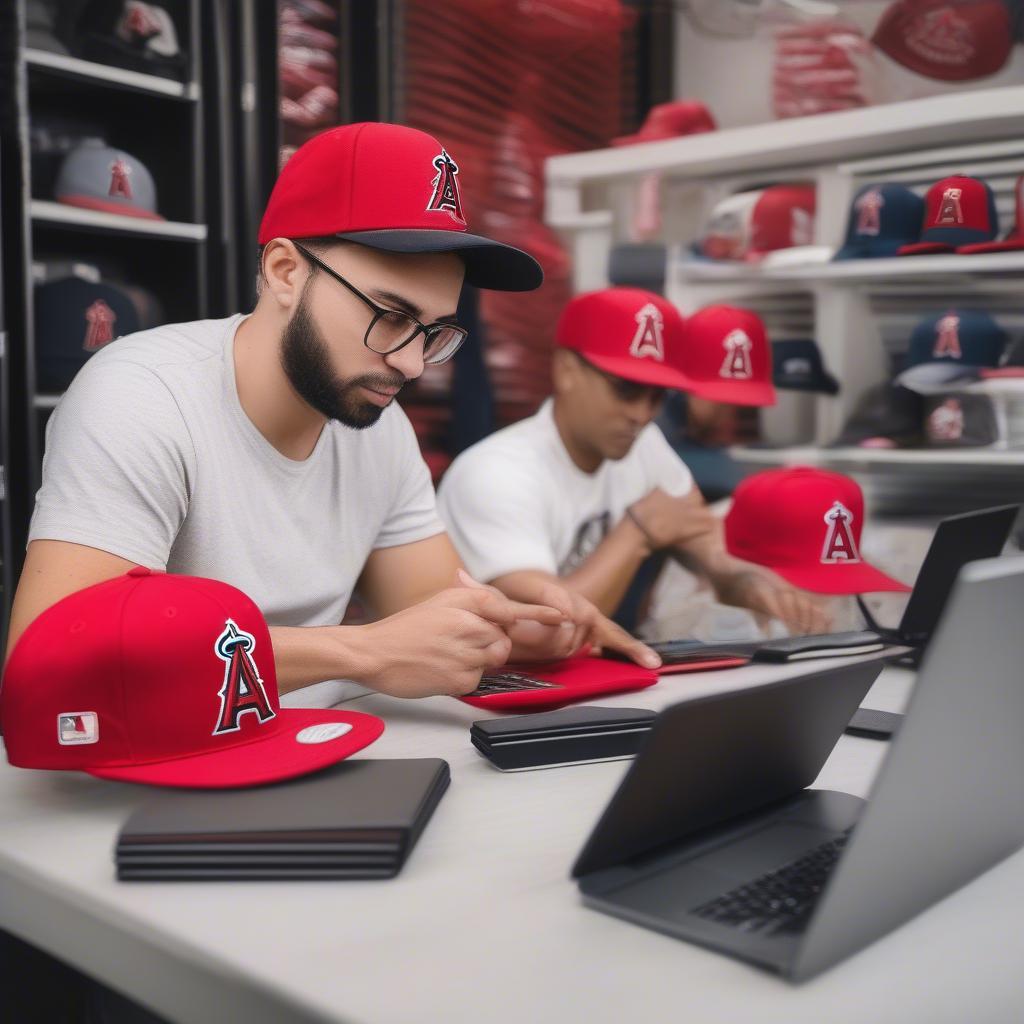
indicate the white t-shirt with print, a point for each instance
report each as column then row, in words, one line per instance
column 516, row 500
column 150, row 456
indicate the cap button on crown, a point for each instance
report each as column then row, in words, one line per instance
column 140, row 570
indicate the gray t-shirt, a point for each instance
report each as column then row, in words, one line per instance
column 150, row 456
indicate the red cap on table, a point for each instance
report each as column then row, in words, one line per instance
column 805, row 524
column 167, row 680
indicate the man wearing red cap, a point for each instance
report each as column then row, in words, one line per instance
column 587, row 489
column 267, row 451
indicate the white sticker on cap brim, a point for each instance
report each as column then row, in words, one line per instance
column 322, row 733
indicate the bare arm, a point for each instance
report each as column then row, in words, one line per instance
column 398, row 577
column 53, row 570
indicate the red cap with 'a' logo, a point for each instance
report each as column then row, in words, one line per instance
column 167, row 680
column 959, row 211
column 805, row 524
column 627, row 332
column 725, row 357
column 392, row 188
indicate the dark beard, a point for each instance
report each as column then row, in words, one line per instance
column 307, row 364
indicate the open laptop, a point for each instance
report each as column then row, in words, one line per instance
column 958, row 540
column 712, row 836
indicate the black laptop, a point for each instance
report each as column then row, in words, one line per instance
column 714, row 837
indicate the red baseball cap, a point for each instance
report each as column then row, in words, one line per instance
column 627, row 332
column 805, row 524
column 725, row 357
column 946, row 39
column 1015, row 239
column 167, row 680
column 670, row 121
column 392, row 188
column 959, row 210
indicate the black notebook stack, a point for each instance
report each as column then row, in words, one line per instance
column 357, row 819
column 557, row 738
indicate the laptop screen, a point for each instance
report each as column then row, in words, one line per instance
column 957, row 541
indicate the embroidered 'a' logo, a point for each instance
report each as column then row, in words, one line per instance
column 99, row 326
column 649, row 339
column 242, row 691
column 947, row 338
column 950, row 211
column 869, row 207
column 445, row 197
column 946, row 422
column 736, row 365
column 119, row 183
column 839, row 545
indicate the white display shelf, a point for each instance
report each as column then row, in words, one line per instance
column 854, row 271
column 897, row 458
column 109, row 75
column 45, row 211
column 824, row 138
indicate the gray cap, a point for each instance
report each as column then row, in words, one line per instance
column 934, row 378
column 97, row 177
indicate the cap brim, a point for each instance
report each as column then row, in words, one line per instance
column 870, row 250
column 489, row 264
column 855, row 578
column 639, row 371
column 104, row 206
column 1002, row 372
column 823, row 385
column 735, row 392
column 268, row 759
column 934, row 378
column 925, row 249
column 1006, row 245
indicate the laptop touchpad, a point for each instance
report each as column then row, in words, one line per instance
column 672, row 891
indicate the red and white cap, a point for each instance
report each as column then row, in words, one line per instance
column 959, row 211
column 748, row 225
column 392, row 188
column 1014, row 239
column 805, row 524
column 725, row 357
column 627, row 332
column 167, row 680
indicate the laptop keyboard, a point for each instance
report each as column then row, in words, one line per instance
column 509, row 682
column 779, row 901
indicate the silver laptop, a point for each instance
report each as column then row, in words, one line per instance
column 712, row 836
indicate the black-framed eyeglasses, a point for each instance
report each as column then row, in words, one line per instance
column 626, row 390
column 391, row 329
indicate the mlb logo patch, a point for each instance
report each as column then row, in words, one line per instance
column 75, row 728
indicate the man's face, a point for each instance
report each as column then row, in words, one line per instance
column 606, row 412
column 322, row 349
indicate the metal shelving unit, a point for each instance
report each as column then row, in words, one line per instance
column 187, row 260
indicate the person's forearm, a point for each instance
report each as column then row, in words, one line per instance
column 605, row 576
column 304, row 655
column 708, row 556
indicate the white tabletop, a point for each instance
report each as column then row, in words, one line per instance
column 483, row 923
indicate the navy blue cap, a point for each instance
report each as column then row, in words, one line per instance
column 797, row 366
column 75, row 318
column 969, row 338
column 882, row 218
